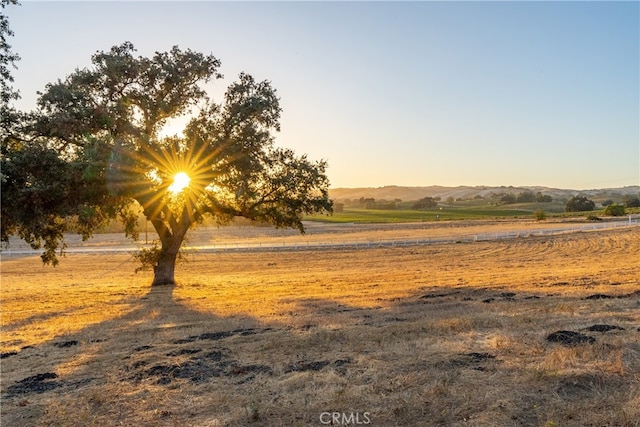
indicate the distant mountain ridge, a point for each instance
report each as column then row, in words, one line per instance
column 392, row 192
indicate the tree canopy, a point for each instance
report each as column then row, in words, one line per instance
column 98, row 142
column 425, row 203
column 8, row 58
column 631, row 201
column 580, row 204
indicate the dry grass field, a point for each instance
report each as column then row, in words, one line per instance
column 437, row 335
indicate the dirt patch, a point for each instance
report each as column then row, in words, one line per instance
column 184, row 351
column 42, row 383
column 635, row 294
column 503, row 296
column 599, row 296
column 39, row 383
column 604, row 328
column 199, row 369
column 65, row 344
column 215, row 336
column 570, row 338
column 479, row 361
column 8, row 354
column 201, row 366
column 305, row 366
column 439, row 295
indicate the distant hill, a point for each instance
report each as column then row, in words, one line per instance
column 392, row 192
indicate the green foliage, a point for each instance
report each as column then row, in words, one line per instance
column 540, row 215
column 367, row 202
column 95, row 149
column 593, row 217
column 543, row 198
column 508, row 198
column 8, row 58
column 148, row 258
column 425, row 203
column 385, row 205
column 359, row 215
column 38, row 192
column 615, row 210
column 631, row 201
column 579, row 204
column 371, row 203
column 526, row 197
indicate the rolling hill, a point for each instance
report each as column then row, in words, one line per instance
column 392, row 192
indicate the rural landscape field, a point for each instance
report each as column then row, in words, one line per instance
column 440, row 334
column 345, row 213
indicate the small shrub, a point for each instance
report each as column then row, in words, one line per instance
column 540, row 215
column 614, row 210
column 593, row 217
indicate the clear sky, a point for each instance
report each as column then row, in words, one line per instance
column 396, row 93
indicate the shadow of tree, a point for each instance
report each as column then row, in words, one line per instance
column 157, row 341
column 408, row 361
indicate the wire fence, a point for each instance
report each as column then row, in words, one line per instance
column 364, row 244
column 241, row 246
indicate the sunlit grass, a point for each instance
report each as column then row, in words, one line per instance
column 401, row 215
column 405, row 319
column 40, row 303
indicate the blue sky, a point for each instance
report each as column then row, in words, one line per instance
column 396, row 93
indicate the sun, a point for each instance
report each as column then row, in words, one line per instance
column 180, row 181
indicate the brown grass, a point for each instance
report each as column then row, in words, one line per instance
column 411, row 336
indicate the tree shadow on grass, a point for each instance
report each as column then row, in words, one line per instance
column 146, row 365
column 161, row 347
column 158, row 342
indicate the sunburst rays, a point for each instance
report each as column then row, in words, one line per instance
column 150, row 177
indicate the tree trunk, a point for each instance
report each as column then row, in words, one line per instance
column 164, row 271
column 171, row 240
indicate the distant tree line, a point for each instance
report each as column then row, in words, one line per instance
column 631, row 201
column 525, row 197
column 616, row 209
column 583, row 204
column 575, row 204
column 425, row 203
column 628, row 201
column 371, row 203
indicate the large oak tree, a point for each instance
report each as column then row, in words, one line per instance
column 96, row 144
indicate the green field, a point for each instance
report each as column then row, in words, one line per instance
column 460, row 211
column 444, row 213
